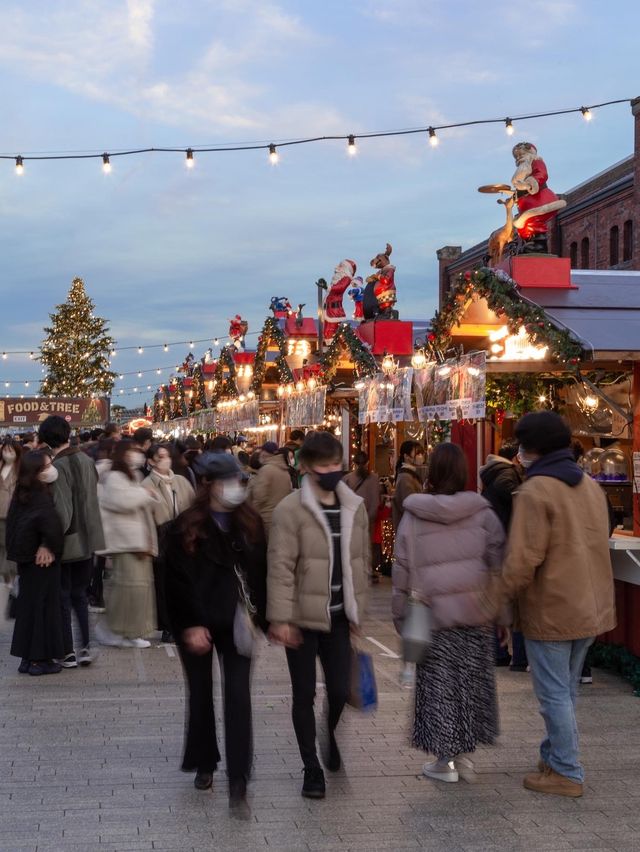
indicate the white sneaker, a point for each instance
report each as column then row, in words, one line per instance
column 441, row 770
column 135, row 643
column 105, row 636
column 586, row 679
column 86, row 656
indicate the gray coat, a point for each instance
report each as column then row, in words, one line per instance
column 75, row 494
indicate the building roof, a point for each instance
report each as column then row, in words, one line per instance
column 603, row 312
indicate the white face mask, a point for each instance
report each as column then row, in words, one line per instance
column 525, row 460
column 48, row 475
column 8, row 455
column 233, row 494
column 135, row 461
column 162, row 465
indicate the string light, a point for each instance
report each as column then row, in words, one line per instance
column 586, row 113
column 191, row 344
column 351, row 145
column 106, row 164
column 19, row 166
column 509, row 127
column 273, row 155
column 165, row 347
column 216, row 342
column 139, row 375
column 433, row 138
column 190, row 162
column 140, row 350
column 4, row 355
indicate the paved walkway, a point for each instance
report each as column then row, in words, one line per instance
column 90, row 761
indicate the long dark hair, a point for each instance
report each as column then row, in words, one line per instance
column 28, row 484
column 119, row 457
column 406, row 448
column 361, row 460
column 16, row 447
column 192, row 524
column 448, row 470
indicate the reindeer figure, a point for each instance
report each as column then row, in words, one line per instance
column 499, row 238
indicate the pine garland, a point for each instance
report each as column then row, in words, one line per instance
column 515, row 392
column 271, row 334
column 344, row 337
column 224, row 386
column 503, row 298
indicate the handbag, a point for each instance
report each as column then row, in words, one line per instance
column 363, row 691
column 244, row 631
column 416, row 631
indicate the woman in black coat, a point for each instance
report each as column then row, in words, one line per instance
column 216, row 573
column 35, row 541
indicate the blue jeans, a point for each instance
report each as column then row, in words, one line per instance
column 555, row 670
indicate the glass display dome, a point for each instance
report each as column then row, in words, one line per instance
column 613, row 466
column 590, row 461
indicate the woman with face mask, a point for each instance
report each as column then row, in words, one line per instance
column 9, row 465
column 131, row 541
column 35, row 542
column 216, row 551
column 174, row 495
column 410, row 457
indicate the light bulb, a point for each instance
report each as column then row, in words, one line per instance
column 509, row 127
column 140, row 350
column 106, row 164
column 190, row 162
column 139, row 375
column 166, row 348
column 433, row 139
column 351, row 146
column 191, row 344
column 4, row 355
column 586, row 113
column 216, row 342
column 19, row 166
column 419, row 360
column 159, row 372
column 273, row 155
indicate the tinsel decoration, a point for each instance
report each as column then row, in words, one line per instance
column 502, row 296
column 344, row 337
column 271, row 335
column 179, row 404
column 224, row 386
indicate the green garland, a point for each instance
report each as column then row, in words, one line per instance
column 198, row 396
column 619, row 660
column 515, row 392
column 179, row 404
column 503, row 298
column 271, row 334
column 344, row 337
column 224, row 386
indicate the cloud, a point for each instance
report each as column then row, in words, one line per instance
column 140, row 16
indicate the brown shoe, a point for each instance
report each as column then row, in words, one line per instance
column 552, row 782
column 542, row 766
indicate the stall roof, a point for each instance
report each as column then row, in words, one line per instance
column 603, row 312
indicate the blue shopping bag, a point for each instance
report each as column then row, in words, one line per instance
column 363, row 694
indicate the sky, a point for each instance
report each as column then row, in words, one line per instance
column 170, row 254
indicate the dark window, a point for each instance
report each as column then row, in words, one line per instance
column 584, row 253
column 627, row 240
column 573, row 254
column 614, row 240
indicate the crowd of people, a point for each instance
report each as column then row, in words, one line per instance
column 211, row 542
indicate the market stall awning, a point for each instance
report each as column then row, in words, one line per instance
column 603, row 311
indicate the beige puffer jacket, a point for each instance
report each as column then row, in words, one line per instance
column 301, row 559
column 269, row 486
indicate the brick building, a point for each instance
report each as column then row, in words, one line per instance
column 598, row 229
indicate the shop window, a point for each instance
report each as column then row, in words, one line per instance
column 627, row 240
column 573, row 254
column 584, row 253
column 614, row 240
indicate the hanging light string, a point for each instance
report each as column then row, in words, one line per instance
column 214, row 341
column 272, row 147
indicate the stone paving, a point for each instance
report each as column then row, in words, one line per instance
column 90, row 761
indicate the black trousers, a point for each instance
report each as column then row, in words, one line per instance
column 201, row 746
column 74, row 579
column 95, row 590
column 334, row 650
column 37, row 633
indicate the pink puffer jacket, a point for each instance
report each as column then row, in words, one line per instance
column 446, row 546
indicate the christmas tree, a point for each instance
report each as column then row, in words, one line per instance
column 76, row 349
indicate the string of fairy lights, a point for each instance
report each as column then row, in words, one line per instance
column 430, row 132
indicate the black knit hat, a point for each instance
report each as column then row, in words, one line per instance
column 216, row 466
column 543, row 432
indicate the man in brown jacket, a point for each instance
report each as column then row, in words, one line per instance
column 271, row 484
column 559, row 572
column 317, row 580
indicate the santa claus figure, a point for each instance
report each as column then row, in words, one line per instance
column 237, row 330
column 333, row 309
column 537, row 204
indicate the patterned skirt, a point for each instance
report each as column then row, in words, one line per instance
column 455, row 703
